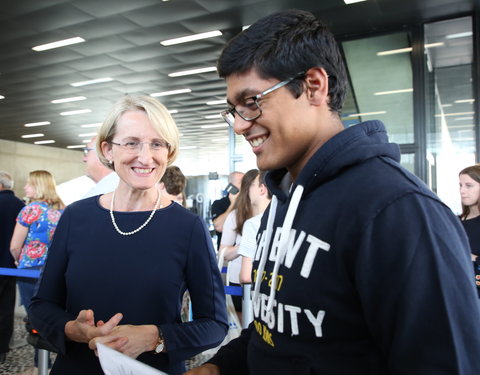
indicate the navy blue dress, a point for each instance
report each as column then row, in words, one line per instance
column 143, row 276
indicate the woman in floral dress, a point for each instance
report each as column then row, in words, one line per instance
column 35, row 226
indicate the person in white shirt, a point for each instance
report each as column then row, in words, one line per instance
column 106, row 180
column 260, row 199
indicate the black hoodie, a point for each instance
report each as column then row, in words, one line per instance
column 365, row 272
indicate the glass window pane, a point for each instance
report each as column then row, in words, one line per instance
column 450, row 109
column 381, row 88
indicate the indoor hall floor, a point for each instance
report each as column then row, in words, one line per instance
column 20, row 357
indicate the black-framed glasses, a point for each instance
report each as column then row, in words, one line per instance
column 86, row 150
column 250, row 109
column 134, row 147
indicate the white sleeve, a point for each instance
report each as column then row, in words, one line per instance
column 248, row 244
column 229, row 234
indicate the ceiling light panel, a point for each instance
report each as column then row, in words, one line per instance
column 41, row 123
column 58, row 44
column 68, row 100
column 193, row 71
column 191, row 38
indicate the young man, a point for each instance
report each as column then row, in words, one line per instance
column 360, row 268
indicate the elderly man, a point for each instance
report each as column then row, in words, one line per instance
column 10, row 206
column 106, row 179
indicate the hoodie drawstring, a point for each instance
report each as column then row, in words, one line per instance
column 282, row 246
column 268, row 236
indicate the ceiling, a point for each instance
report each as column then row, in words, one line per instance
column 122, row 42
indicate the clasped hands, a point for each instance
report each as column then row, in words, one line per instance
column 131, row 340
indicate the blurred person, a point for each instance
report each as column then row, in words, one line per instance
column 33, row 233
column 10, row 206
column 223, row 206
column 121, row 262
column 260, row 199
column 106, row 180
column 360, row 268
column 172, row 185
column 232, row 232
column 469, row 182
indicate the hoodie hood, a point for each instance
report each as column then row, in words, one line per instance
column 349, row 147
column 352, row 146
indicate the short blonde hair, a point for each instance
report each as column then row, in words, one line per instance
column 156, row 112
column 45, row 189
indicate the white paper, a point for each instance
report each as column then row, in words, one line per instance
column 116, row 363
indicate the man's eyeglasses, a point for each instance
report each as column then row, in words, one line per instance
column 134, row 147
column 86, row 150
column 250, row 109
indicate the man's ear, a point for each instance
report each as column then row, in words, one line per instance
column 316, row 81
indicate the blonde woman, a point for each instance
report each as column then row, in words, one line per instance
column 33, row 233
column 121, row 262
column 35, row 226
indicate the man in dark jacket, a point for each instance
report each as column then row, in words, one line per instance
column 10, row 206
column 359, row 268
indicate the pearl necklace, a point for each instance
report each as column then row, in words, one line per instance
column 141, row 226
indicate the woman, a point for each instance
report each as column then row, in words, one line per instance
column 35, row 226
column 34, row 230
column 121, row 262
column 232, row 232
column 469, row 180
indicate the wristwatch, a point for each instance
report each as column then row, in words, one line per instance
column 160, row 345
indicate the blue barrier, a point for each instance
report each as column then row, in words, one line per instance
column 20, row 272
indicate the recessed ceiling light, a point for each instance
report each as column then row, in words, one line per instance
column 458, row 35
column 59, row 43
column 222, row 139
column 76, row 146
column 87, row 134
column 393, row 92
column 394, row 51
column 454, row 114
column 465, row 101
column 2, row 97
column 172, row 92
column 91, row 82
column 41, row 123
column 348, row 2
column 366, row 114
column 408, row 49
column 187, row 147
column 214, row 126
column 209, row 117
column 67, row 100
column 173, row 111
column 77, row 112
column 191, row 38
column 33, row 135
column 44, row 142
column 463, row 118
column 193, row 71
column 217, row 102
column 95, row 125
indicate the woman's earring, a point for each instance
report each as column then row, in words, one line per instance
column 110, row 162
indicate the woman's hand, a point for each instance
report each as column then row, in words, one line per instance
column 206, row 369
column 83, row 328
column 129, row 339
column 474, row 257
